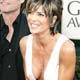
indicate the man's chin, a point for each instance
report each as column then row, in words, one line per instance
column 8, row 11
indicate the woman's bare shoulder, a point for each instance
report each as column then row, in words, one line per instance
column 68, row 47
column 23, row 41
column 23, row 45
column 68, row 51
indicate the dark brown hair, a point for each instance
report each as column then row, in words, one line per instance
column 23, row 5
column 50, row 7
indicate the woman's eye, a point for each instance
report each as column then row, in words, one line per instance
column 40, row 14
column 29, row 12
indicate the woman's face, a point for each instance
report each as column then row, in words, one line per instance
column 38, row 22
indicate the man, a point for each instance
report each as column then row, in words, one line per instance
column 13, row 26
column 0, row 12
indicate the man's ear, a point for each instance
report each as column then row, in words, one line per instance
column 22, row 1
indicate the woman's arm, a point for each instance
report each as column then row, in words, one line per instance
column 23, row 51
column 67, row 61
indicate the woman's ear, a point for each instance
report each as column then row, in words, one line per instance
column 22, row 1
column 54, row 19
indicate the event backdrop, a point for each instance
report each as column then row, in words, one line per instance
column 71, row 19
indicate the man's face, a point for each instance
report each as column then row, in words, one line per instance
column 9, row 5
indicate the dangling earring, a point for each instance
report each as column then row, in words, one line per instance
column 51, row 25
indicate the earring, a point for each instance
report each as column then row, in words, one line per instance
column 51, row 25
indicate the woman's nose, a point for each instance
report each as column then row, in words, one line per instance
column 34, row 17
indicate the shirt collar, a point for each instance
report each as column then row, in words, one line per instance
column 17, row 21
column 2, row 21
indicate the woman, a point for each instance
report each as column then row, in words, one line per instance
column 47, row 54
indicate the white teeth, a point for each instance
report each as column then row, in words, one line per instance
column 34, row 26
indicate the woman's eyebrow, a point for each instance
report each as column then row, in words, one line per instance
column 40, row 12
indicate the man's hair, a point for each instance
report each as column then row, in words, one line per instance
column 23, row 5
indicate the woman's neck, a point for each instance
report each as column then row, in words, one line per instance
column 44, row 39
